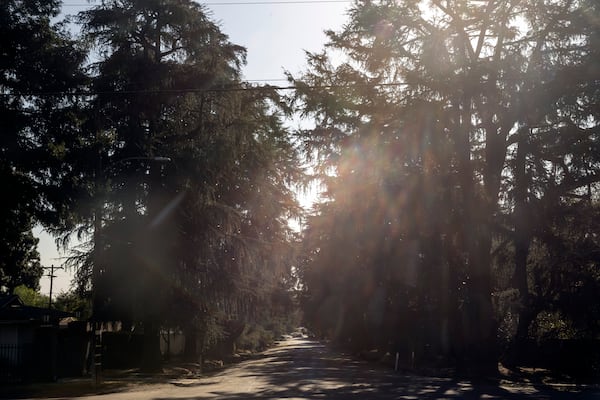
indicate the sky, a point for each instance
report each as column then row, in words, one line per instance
column 276, row 36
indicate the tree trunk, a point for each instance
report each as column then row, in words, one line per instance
column 151, row 358
column 478, row 355
column 190, row 349
column 483, row 347
column 522, row 244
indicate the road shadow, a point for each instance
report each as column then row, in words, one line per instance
column 309, row 370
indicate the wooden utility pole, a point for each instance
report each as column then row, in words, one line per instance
column 51, row 276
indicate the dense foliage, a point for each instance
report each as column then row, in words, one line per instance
column 175, row 174
column 193, row 174
column 458, row 144
column 36, row 57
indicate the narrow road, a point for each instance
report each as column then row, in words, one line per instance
column 303, row 369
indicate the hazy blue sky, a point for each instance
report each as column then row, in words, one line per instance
column 275, row 35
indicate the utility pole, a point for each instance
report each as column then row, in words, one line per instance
column 51, row 276
column 96, row 339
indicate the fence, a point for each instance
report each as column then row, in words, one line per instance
column 15, row 362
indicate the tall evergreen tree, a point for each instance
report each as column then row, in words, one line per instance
column 440, row 120
column 192, row 170
column 234, row 244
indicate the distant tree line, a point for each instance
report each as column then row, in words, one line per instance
column 458, row 143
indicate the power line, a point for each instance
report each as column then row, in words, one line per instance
column 201, row 90
column 239, row 3
column 266, row 80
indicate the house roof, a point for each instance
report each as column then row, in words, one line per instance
column 8, row 300
column 13, row 309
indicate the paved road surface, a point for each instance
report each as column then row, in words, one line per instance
column 303, row 369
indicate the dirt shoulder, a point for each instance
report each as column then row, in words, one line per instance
column 119, row 380
column 294, row 368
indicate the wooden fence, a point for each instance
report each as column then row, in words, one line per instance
column 15, row 362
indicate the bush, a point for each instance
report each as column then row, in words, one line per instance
column 255, row 338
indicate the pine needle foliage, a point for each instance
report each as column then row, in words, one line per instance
column 443, row 128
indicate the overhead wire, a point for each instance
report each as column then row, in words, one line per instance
column 199, row 90
column 276, row 2
column 238, row 3
column 256, row 2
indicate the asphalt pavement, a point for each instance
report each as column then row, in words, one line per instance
column 299, row 368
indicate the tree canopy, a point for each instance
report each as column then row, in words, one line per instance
column 37, row 57
column 450, row 132
column 175, row 175
column 457, row 142
column 192, row 173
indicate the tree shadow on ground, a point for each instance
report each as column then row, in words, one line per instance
column 308, row 370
